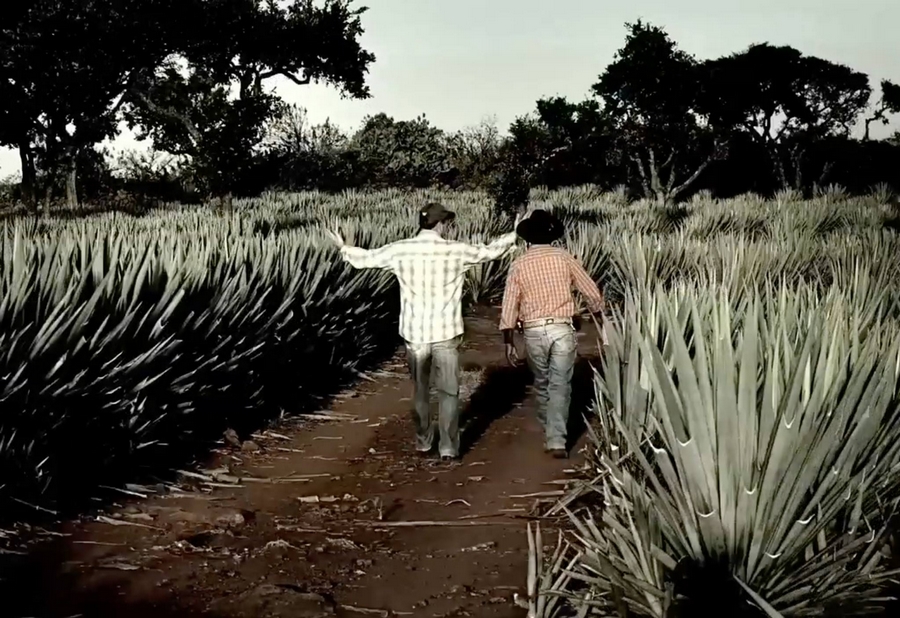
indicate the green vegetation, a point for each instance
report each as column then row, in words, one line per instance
column 749, row 382
column 746, row 440
column 195, row 77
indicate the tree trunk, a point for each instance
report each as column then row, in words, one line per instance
column 826, row 170
column 778, row 164
column 29, row 176
column 797, row 162
column 71, row 183
column 667, row 192
column 675, row 193
column 48, row 197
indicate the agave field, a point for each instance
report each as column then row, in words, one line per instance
column 746, row 429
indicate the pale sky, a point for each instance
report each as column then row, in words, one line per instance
column 459, row 61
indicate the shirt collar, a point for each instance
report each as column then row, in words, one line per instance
column 430, row 233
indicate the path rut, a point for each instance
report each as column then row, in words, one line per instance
column 336, row 517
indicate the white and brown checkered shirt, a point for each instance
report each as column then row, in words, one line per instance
column 540, row 283
column 431, row 272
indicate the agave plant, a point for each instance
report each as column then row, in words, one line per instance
column 770, row 452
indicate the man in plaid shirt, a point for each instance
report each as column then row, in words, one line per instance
column 431, row 271
column 538, row 298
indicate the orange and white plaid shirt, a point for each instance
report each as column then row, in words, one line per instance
column 539, row 285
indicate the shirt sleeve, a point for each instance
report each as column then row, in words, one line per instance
column 512, row 296
column 368, row 258
column 477, row 254
column 584, row 284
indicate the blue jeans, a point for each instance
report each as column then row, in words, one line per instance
column 552, row 351
column 441, row 361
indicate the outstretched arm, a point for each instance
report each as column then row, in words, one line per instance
column 367, row 258
column 478, row 254
column 362, row 258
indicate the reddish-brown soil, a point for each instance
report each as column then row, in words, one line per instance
column 329, row 518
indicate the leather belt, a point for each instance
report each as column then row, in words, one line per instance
column 546, row 322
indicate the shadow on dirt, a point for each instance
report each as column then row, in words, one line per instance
column 505, row 387
column 55, row 580
column 40, row 585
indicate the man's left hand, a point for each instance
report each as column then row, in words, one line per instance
column 512, row 355
column 336, row 238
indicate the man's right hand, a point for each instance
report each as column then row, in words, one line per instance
column 512, row 355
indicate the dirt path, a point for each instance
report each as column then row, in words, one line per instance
column 317, row 525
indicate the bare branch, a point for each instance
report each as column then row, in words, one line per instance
column 285, row 73
column 673, row 173
column 668, row 161
column 879, row 114
column 127, row 87
column 654, row 173
column 171, row 113
column 693, row 178
column 640, row 166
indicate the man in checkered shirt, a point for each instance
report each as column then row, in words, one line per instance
column 538, row 298
column 431, row 271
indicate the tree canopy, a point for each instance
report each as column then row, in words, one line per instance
column 190, row 74
column 67, row 68
column 653, row 95
column 198, row 79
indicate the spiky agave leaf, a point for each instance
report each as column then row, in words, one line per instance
column 772, row 422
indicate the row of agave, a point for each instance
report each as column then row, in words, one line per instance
column 128, row 344
column 746, row 448
column 127, row 341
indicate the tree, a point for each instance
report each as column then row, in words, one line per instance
column 17, row 119
column 409, row 153
column 215, row 133
column 475, row 151
column 19, row 110
column 566, row 143
column 889, row 104
column 304, row 156
column 651, row 95
column 784, row 101
column 66, row 70
column 510, row 185
column 212, row 105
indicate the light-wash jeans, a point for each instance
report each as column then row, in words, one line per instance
column 552, row 351
column 441, row 361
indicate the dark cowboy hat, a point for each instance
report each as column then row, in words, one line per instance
column 434, row 213
column 541, row 228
